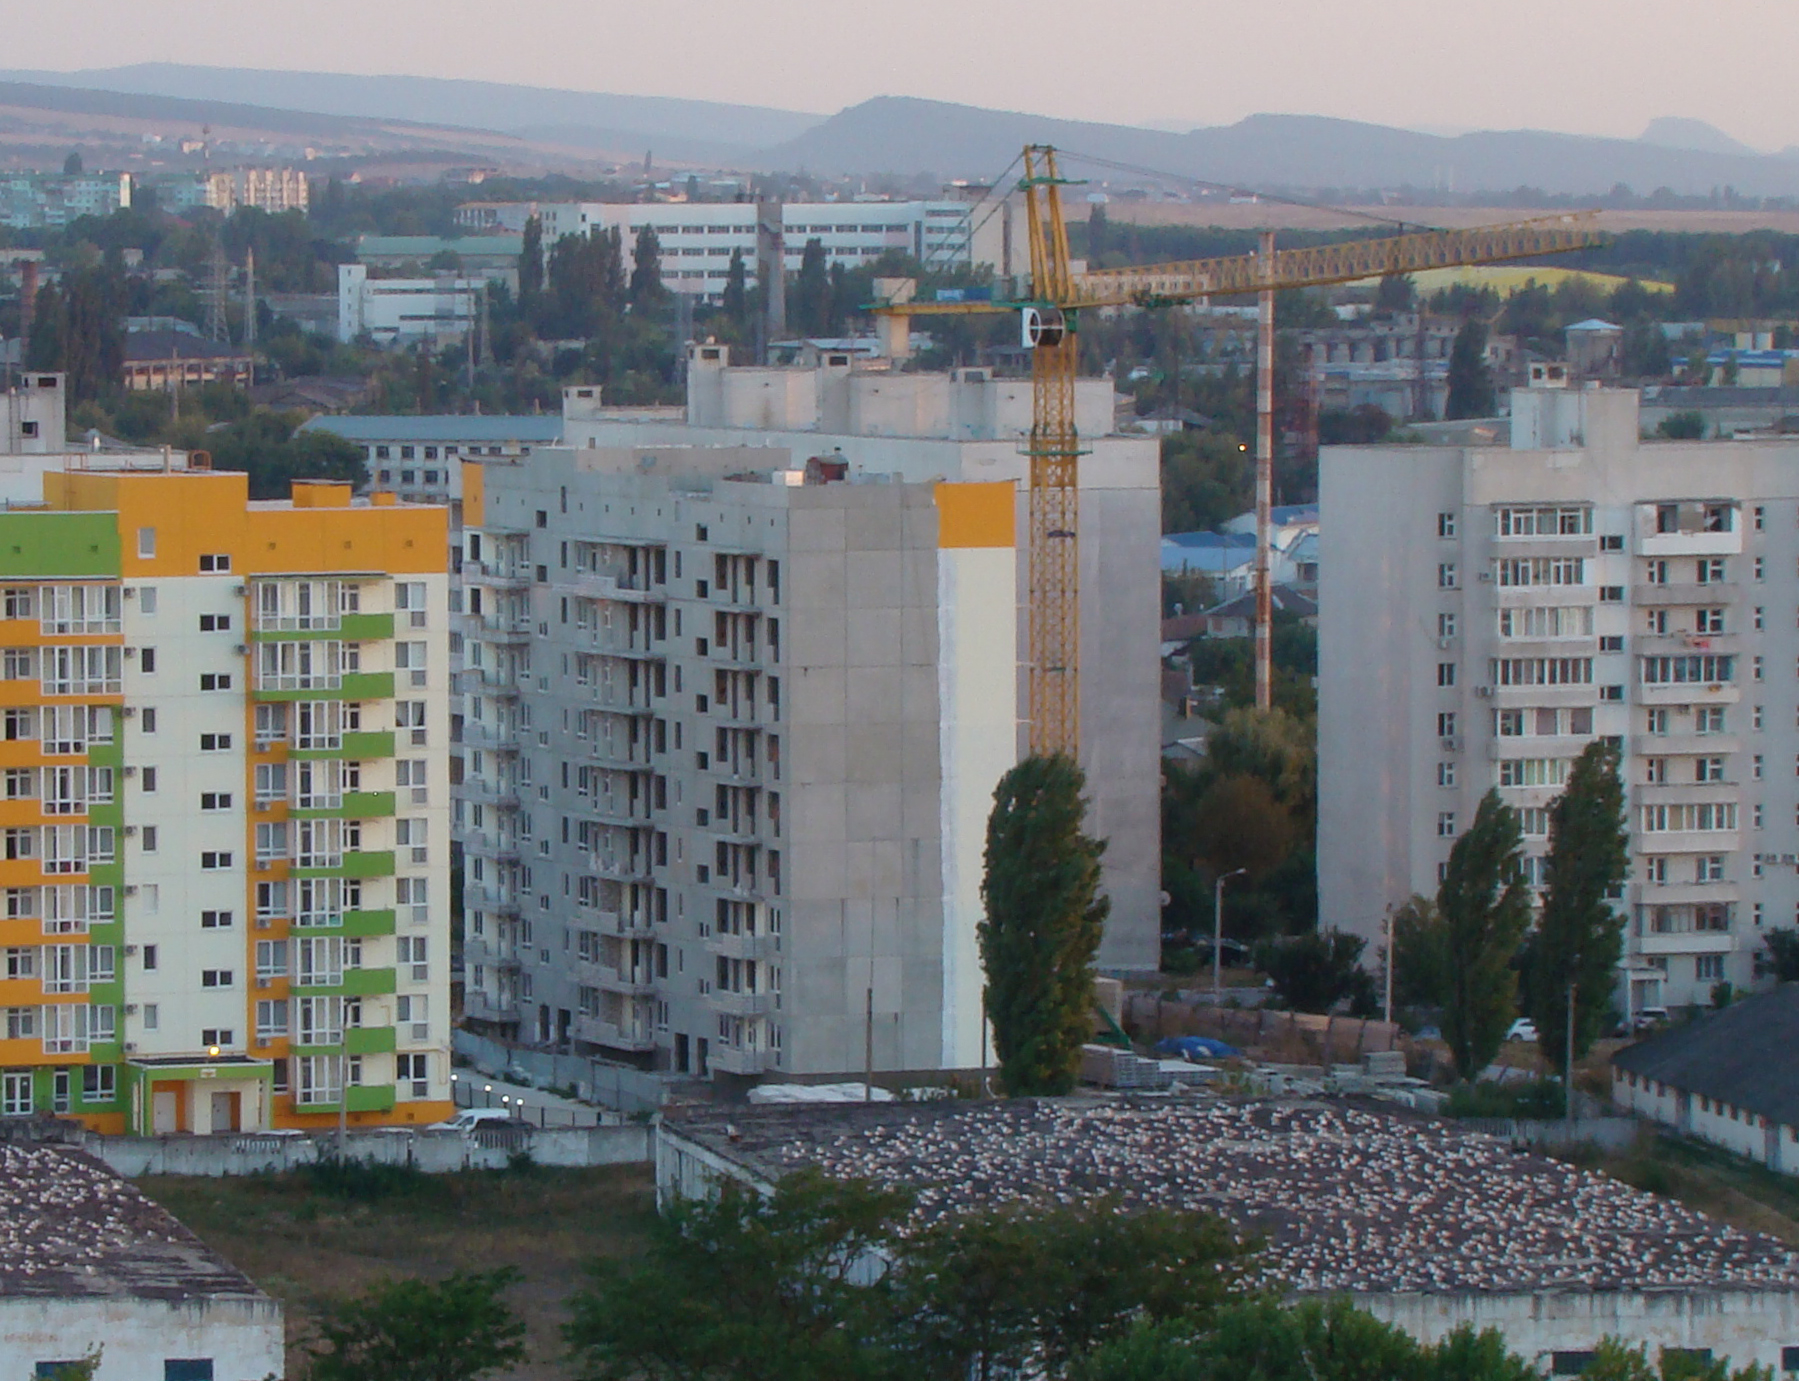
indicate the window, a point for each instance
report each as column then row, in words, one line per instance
column 271, row 960
column 1655, row 870
column 15, row 1093
column 149, row 957
column 1446, row 575
column 1559, row 621
column 409, row 599
column 1755, row 767
column 214, row 563
column 1446, row 824
column 1709, row 719
column 1519, row 571
column 215, row 920
column 271, row 1019
column 1545, row 522
column 1446, row 774
column 215, row 743
column 412, row 1074
column 1655, row 771
column 215, row 680
column 147, row 839
column 1446, row 724
column 1542, row 671
column 1709, row 570
column 1445, row 625
column 1708, row 868
column 1708, row 621
column 1701, row 817
column 217, row 1035
column 1533, row 771
column 1708, row 967
column 99, row 1083
column 152, row 1016
column 146, row 721
column 215, row 860
column 1445, row 673
column 1446, row 525
column 1708, row 769
column 411, row 950
column 215, row 978
column 1691, row 669
column 146, row 543
column 215, row 800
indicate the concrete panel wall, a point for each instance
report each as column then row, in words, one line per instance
column 136, row 1336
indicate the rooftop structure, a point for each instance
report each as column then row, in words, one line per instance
column 170, row 360
column 1423, row 1224
column 86, row 1259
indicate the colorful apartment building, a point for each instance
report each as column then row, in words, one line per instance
column 224, row 829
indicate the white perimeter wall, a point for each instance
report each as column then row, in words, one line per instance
column 241, row 1337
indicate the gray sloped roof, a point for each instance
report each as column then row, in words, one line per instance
column 544, row 430
column 1744, row 1055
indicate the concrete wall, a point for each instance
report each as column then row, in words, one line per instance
column 594, row 1081
column 242, row 1337
column 1737, row 1130
column 1744, row 1325
column 433, row 1152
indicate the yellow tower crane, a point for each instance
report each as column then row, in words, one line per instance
column 1049, row 315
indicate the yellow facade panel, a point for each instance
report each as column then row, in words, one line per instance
column 976, row 515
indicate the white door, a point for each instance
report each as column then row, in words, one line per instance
column 164, row 1113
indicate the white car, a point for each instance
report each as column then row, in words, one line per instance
column 1523, row 1029
column 470, row 1118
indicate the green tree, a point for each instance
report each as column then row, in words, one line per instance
column 1420, row 954
column 1682, row 426
column 1099, row 237
column 1470, row 379
column 1580, row 937
column 1315, row 971
column 1614, row 1360
column 1485, row 906
column 1644, row 353
column 1042, row 926
column 809, row 302
column 456, row 1329
column 987, row 1294
column 735, row 301
column 72, row 166
column 530, row 265
column 748, row 1288
column 646, row 269
column 1783, row 954
column 1395, row 293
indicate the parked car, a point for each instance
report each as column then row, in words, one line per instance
column 1523, row 1029
column 470, row 1118
column 1650, row 1018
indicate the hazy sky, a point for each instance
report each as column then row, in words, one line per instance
column 1584, row 66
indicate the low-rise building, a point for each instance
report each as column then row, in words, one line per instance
column 490, row 257
column 1425, row 1226
column 91, row 1266
column 420, row 458
column 167, row 361
column 436, row 311
column 1726, row 1077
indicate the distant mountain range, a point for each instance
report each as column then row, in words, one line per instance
column 909, row 136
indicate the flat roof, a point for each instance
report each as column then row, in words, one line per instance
column 70, row 1227
column 1347, row 1198
column 453, row 427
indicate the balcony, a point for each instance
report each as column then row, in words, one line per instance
column 743, row 1004
column 630, row 925
column 632, row 982
column 499, row 738
column 624, row 589
column 760, row 945
column 635, row 1035
column 487, row 681
column 620, row 867
column 1683, row 942
column 495, row 901
column 500, row 848
column 1687, row 693
column 1716, row 595
column 1677, row 644
column 483, row 1008
column 729, row 1059
column 479, row 791
column 503, row 575
column 493, row 628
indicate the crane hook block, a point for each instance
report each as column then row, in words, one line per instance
column 1041, row 327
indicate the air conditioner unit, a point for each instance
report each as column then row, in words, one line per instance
column 130, row 592
column 129, row 711
column 241, row 650
column 131, row 889
column 1486, row 577
column 131, row 771
column 130, row 830
column 130, row 1047
column 131, row 1009
column 130, row 950
column 240, row 589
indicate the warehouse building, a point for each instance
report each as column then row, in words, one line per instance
column 89, row 1265
column 1425, row 1226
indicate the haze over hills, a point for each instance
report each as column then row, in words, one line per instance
column 525, row 126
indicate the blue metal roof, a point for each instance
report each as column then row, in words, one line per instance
column 545, row 430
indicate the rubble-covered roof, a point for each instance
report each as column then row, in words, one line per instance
column 1347, row 1199
column 71, row 1227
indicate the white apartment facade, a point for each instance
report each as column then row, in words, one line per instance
column 699, row 238
column 1485, row 612
column 439, row 310
column 736, row 692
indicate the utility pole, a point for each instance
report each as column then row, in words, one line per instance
column 868, row 1046
column 1264, row 474
column 1387, row 1004
column 1218, row 932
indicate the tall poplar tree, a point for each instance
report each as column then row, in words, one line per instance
column 1470, row 381
column 530, row 267
column 735, row 302
column 1044, row 917
column 1485, row 906
column 646, row 268
column 1580, row 938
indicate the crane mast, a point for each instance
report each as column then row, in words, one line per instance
column 1049, row 317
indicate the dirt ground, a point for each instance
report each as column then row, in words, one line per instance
column 303, row 1247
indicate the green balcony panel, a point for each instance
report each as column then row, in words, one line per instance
column 371, row 1098
column 368, row 923
column 372, row 864
column 107, row 875
column 109, row 813
column 107, row 755
column 369, row 1040
column 367, row 982
column 354, row 748
column 352, row 628
column 369, row 685
column 357, row 805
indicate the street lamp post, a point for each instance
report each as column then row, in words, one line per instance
column 1218, row 931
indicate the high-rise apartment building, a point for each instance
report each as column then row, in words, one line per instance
column 224, row 820
column 1487, row 611
column 737, row 692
